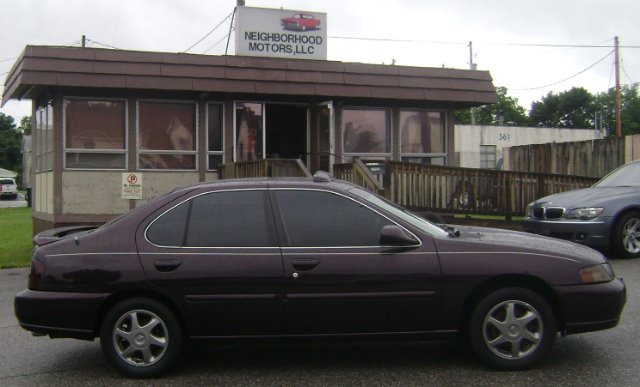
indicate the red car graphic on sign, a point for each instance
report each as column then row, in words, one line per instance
column 300, row 22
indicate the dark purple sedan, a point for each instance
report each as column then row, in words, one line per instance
column 307, row 258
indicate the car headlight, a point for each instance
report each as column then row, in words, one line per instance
column 596, row 274
column 584, row 213
column 529, row 211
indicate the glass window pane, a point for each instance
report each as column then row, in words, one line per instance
column 422, row 132
column 323, row 219
column 94, row 124
column 169, row 229
column 214, row 127
column 365, row 131
column 248, row 131
column 167, row 126
column 215, row 161
column 158, row 161
column 230, row 219
column 92, row 160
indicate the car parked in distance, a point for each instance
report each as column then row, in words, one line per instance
column 8, row 188
column 307, row 258
column 300, row 22
column 605, row 216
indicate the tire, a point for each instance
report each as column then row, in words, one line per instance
column 512, row 329
column 141, row 337
column 625, row 240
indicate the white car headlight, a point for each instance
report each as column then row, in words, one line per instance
column 596, row 274
column 584, row 213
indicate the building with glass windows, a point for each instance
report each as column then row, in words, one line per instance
column 172, row 119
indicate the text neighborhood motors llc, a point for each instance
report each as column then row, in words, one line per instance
column 283, row 43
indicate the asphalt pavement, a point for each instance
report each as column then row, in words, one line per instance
column 20, row 201
column 606, row 358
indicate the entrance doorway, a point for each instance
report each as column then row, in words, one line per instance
column 286, row 131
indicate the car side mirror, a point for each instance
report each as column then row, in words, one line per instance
column 394, row 235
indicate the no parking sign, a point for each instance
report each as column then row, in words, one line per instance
column 132, row 185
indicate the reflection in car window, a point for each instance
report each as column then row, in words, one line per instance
column 324, row 219
column 627, row 175
column 218, row 219
column 414, row 220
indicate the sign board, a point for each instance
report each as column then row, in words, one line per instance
column 281, row 33
column 132, row 185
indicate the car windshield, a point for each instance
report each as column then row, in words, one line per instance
column 414, row 220
column 627, row 175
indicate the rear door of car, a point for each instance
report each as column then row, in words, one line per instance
column 216, row 254
column 339, row 280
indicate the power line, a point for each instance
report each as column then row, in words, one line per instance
column 597, row 45
column 209, row 33
column 566, row 79
column 219, row 41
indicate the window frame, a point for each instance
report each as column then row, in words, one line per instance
column 123, row 152
column 193, row 153
column 494, row 153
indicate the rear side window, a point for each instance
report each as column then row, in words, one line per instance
column 324, row 219
column 218, row 219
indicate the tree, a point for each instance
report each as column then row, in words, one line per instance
column 10, row 144
column 574, row 108
column 506, row 112
column 25, row 125
column 629, row 110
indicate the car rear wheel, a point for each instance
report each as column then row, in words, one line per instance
column 512, row 329
column 141, row 337
column 626, row 236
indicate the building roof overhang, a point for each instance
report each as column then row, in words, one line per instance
column 45, row 67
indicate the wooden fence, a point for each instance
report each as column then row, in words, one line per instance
column 593, row 158
column 461, row 190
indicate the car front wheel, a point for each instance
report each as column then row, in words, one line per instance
column 626, row 236
column 512, row 329
column 141, row 337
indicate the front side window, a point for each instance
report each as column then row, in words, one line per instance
column 167, row 135
column 422, row 136
column 365, row 133
column 324, row 219
column 218, row 219
column 95, row 133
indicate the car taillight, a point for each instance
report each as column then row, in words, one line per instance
column 35, row 276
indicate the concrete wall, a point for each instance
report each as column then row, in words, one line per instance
column 468, row 139
column 100, row 192
column 43, row 200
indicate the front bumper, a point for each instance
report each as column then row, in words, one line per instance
column 594, row 234
column 592, row 307
column 59, row 314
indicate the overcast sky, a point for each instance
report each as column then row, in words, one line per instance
column 530, row 47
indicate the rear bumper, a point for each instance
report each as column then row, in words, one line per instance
column 59, row 314
column 592, row 307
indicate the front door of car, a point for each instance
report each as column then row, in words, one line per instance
column 339, row 280
column 216, row 255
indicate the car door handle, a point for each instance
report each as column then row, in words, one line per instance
column 305, row 263
column 165, row 265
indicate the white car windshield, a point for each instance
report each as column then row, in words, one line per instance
column 627, row 175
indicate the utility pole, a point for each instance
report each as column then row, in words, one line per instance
column 616, row 43
column 472, row 66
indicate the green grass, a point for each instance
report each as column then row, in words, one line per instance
column 15, row 237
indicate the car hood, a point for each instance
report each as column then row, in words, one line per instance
column 594, row 196
column 518, row 241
